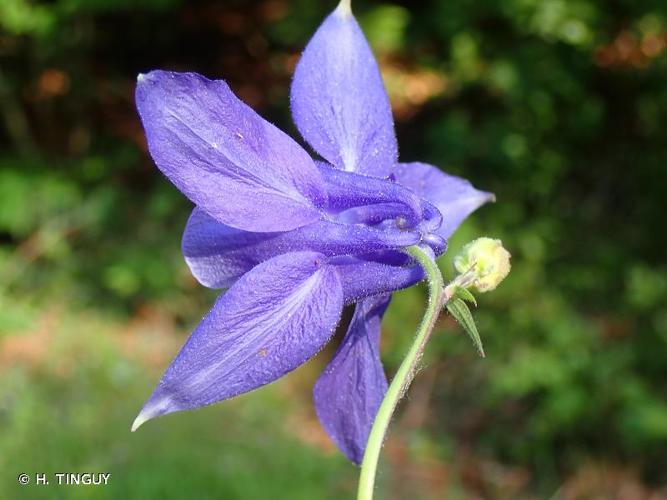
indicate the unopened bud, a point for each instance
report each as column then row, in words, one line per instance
column 483, row 263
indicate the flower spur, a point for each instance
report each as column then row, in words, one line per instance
column 292, row 239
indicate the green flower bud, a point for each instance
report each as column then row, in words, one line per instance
column 483, row 263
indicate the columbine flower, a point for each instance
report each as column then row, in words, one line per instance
column 293, row 239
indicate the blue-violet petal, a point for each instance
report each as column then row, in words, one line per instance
column 226, row 158
column 272, row 320
column 453, row 196
column 339, row 103
column 364, row 277
column 218, row 254
column 349, row 392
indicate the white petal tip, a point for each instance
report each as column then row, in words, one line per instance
column 154, row 407
column 141, row 77
column 344, row 8
column 139, row 421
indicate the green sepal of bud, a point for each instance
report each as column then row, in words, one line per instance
column 459, row 310
column 464, row 294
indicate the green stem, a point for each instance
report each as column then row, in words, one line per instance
column 405, row 374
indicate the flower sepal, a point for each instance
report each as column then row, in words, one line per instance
column 458, row 292
column 457, row 307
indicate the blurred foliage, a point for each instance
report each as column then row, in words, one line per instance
column 71, row 412
column 557, row 106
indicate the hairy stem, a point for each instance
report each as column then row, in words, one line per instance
column 406, row 372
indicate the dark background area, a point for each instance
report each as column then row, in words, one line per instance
column 557, row 106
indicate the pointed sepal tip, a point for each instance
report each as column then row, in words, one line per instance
column 139, row 421
column 344, row 8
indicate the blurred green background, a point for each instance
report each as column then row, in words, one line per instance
column 557, row 106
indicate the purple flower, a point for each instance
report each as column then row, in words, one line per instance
column 294, row 239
